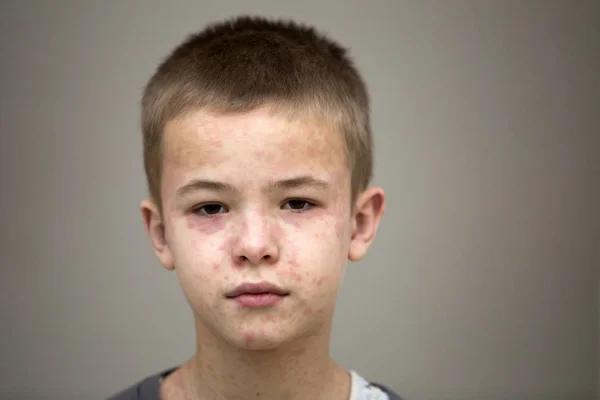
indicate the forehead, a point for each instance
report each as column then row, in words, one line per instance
column 204, row 139
column 258, row 140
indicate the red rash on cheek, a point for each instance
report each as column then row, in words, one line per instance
column 297, row 277
column 289, row 273
column 206, row 226
column 201, row 273
column 191, row 224
column 319, row 281
column 226, row 245
column 294, row 262
column 293, row 253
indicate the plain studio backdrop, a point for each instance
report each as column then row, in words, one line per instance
column 483, row 280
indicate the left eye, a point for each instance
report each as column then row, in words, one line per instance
column 298, row 205
column 211, row 209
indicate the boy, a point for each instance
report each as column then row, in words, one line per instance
column 258, row 153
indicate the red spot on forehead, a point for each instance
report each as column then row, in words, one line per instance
column 212, row 142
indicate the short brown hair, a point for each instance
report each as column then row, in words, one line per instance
column 247, row 62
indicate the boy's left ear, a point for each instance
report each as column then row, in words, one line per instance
column 369, row 209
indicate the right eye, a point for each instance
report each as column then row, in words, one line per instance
column 210, row 209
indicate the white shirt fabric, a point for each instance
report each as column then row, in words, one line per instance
column 361, row 390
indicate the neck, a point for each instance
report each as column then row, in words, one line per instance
column 301, row 369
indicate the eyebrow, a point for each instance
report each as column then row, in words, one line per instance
column 292, row 183
column 204, row 184
column 301, row 181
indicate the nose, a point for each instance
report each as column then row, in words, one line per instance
column 256, row 240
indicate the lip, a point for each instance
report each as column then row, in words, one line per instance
column 260, row 288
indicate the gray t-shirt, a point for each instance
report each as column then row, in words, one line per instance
column 149, row 389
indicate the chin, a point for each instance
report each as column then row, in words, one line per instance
column 259, row 345
column 260, row 338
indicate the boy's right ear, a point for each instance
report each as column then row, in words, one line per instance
column 156, row 231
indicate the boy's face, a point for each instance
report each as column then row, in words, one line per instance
column 258, row 198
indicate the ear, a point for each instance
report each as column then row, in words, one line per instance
column 369, row 208
column 156, row 231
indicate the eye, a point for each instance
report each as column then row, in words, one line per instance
column 210, row 209
column 298, row 205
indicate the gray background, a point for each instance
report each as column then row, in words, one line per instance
column 483, row 281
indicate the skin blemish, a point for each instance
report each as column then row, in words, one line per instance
column 307, row 312
column 249, row 338
column 296, row 276
column 294, row 263
column 293, row 260
column 213, row 143
column 227, row 244
column 216, row 267
column 318, row 281
column 200, row 275
column 287, row 274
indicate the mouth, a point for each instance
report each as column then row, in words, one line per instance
column 257, row 288
column 261, row 294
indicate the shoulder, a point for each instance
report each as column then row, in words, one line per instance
column 146, row 389
column 363, row 389
column 391, row 395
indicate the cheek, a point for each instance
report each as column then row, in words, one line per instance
column 314, row 259
column 204, row 226
column 198, row 262
column 318, row 281
column 341, row 229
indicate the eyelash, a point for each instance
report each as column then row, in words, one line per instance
column 308, row 206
